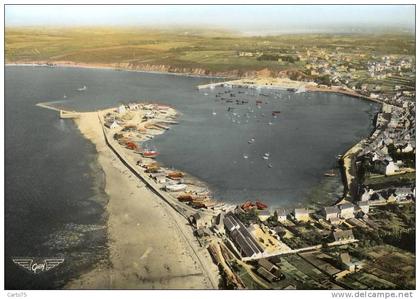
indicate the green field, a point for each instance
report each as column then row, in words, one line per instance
column 212, row 51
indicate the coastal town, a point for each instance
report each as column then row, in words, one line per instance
column 351, row 244
column 358, row 241
column 223, row 146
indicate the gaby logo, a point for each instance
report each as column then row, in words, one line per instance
column 36, row 265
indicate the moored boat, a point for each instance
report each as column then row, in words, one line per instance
column 175, row 187
column 150, row 154
column 260, row 205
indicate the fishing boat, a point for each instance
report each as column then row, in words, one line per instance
column 260, row 205
column 82, row 88
column 150, row 153
column 175, row 175
column 176, row 187
column 248, row 205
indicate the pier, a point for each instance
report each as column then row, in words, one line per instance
column 64, row 114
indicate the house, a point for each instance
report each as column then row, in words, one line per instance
column 218, row 223
column 364, row 206
column 403, row 193
column 267, row 265
column 201, row 220
column 264, row 215
column 346, row 210
column 331, row 212
column 343, row 235
column 231, row 223
column 366, row 195
column 203, row 232
column 267, row 275
column 302, row 215
column 391, row 168
column 121, row 109
column 112, row 125
column 246, row 244
column 408, row 148
column 133, row 106
column 347, row 263
column 281, row 215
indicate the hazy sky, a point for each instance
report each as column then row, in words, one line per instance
column 244, row 18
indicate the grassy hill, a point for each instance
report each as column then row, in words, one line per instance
column 212, row 51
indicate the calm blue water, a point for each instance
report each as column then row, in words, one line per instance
column 54, row 187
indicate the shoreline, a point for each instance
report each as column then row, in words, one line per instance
column 151, row 246
column 91, row 126
column 114, row 68
column 299, row 87
column 251, row 82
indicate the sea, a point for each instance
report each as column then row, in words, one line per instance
column 245, row 144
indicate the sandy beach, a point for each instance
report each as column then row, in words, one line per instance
column 150, row 245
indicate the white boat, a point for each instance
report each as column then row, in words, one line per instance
column 64, row 96
column 265, row 157
column 245, row 156
column 252, row 140
column 175, row 188
column 267, row 154
column 82, row 88
column 214, row 112
column 270, row 123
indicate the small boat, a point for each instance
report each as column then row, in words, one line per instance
column 150, row 154
column 270, row 165
column 265, row 157
column 260, row 205
column 248, row 205
column 64, row 96
column 176, row 187
column 252, row 140
column 330, row 174
column 175, row 175
column 245, row 156
column 206, row 94
column 82, row 88
column 274, row 113
column 270, row 123
column 267, row 154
